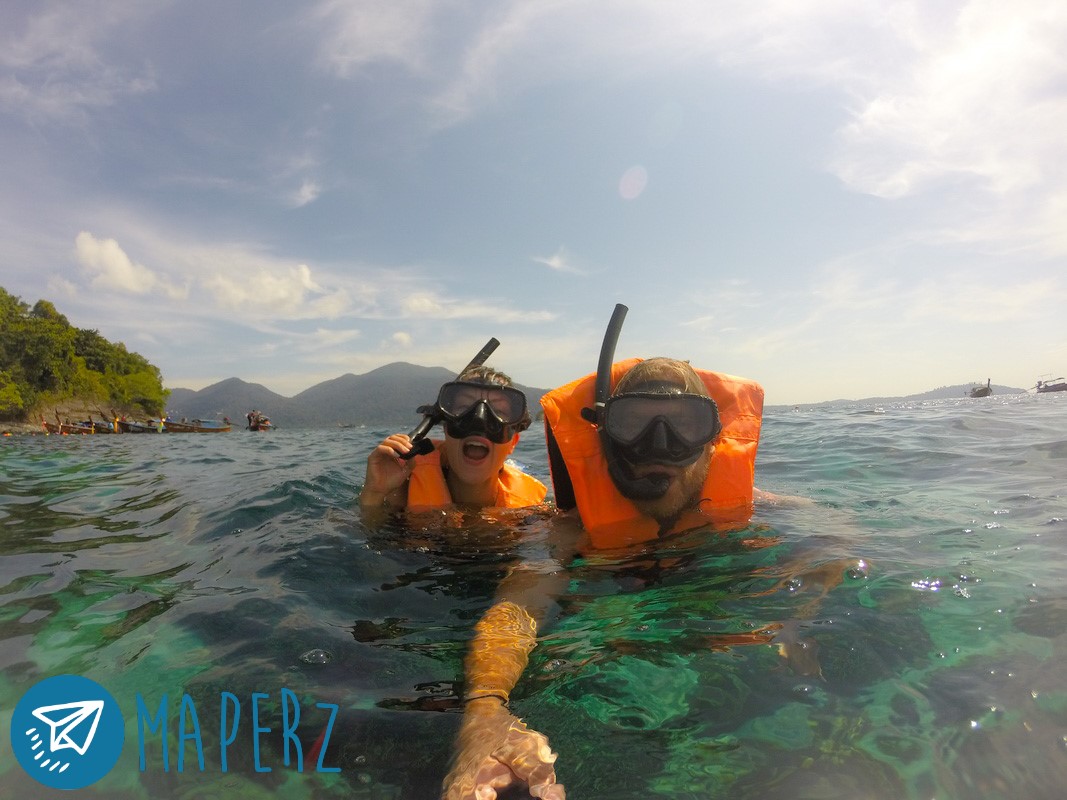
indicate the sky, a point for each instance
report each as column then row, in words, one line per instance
column 836, row 198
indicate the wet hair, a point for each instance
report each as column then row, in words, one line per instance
column 492, row 377
column 653, row 374
column 484, row 374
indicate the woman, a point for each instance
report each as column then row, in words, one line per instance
column 483, row 415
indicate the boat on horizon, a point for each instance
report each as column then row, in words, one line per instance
column 1054, row 385
column 197, row 425
column 983, row 391
column 258, row 421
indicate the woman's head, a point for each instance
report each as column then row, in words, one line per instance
column 483, row 414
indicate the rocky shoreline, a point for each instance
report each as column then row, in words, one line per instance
column 66, row 411
column 21, row 429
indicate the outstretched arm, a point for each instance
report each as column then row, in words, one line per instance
column 495, row 749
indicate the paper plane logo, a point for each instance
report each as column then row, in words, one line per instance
column 67, row 732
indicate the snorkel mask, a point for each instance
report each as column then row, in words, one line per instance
column 431, row 415
column 662, row 424
column 470, row 408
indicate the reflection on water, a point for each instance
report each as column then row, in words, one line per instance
column 903, row 638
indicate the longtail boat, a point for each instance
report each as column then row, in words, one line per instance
column 197, row 425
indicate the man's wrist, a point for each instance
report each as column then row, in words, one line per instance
column 485, row 705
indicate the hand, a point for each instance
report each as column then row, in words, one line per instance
column 496, row 750
column 386, row 471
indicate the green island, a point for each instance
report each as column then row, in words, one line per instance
column 50, row 368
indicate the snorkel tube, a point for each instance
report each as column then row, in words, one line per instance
column 420, row 445
column 652, row 487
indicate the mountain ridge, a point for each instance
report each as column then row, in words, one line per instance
column 391, row 394
column 958, row 391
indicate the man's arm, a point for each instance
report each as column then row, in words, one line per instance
column 495, row 748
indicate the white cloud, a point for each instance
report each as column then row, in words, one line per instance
column 431, row 306
column 371, row 31
column 981, row 99
column 307, row 193
column 113, row 270
column 288, row 293
column 324, row 338
column 928, row 94
column 55, row 65
column 558, row 262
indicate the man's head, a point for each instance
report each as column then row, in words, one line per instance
column 661, row 425
column 483, row 415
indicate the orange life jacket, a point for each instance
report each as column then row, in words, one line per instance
column 612, row 520
column 427, row 487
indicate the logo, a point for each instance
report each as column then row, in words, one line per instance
column 67, row 732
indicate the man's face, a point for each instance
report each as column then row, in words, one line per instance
column 683, row 488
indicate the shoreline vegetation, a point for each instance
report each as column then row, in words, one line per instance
column 50, row 369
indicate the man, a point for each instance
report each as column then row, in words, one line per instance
column 671, row 449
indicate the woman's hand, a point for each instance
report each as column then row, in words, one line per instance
column 496, row 750
column 386, row 471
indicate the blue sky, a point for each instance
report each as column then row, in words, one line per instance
column 838, row 199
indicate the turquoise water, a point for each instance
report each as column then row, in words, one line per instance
column 903, row 637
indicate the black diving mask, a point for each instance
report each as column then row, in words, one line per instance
column 482, row 409
column 658, row 428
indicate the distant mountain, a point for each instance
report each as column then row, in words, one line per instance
column 231, row 398
column 946, row 392
column 387, row 397
column 941, row 393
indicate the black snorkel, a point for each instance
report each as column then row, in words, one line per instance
column 420, row 445
column 652, row 487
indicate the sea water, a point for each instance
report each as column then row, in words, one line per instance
column 902, row 635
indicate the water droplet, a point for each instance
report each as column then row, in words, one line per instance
column 317, row 656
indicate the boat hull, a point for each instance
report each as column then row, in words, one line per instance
column 129, row 426
column 196, row 426
column 70, row 428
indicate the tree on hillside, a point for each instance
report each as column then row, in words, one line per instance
column 42, row 356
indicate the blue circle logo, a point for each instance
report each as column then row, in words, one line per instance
column 67, row 732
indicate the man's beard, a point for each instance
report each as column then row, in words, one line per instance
column 682, row 494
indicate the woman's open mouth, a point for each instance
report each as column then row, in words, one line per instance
column 475, row 449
